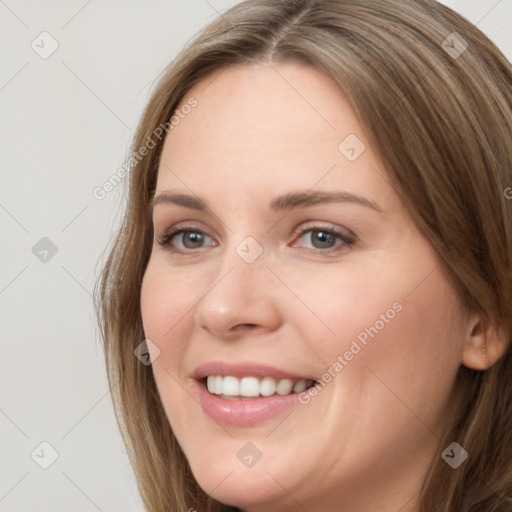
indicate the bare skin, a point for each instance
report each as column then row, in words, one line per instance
column 364, row 442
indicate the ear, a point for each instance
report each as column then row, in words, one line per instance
column 484, row 343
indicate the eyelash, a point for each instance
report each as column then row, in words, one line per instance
column 348, row 240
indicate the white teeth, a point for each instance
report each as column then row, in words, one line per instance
column 218, row 384
column 252, row 386
column 268, row 386
column 249, row 386
column 284, row 387
column 299, row 386
column 231, row 386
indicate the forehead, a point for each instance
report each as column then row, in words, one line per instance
column 260, row 129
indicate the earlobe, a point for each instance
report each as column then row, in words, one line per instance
column 484, row 344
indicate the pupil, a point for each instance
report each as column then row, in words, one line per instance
column 195, row 238
column 325, row 239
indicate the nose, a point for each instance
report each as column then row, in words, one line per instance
column 241, row 300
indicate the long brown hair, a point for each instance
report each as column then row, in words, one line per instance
column 435, row 95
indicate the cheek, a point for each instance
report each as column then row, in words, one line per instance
column 167, row 300
column 425, row 339
column 395, row 335
column 338, row 309
column 406, row 369
column 396, row 308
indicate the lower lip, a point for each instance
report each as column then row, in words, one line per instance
column 243, row 412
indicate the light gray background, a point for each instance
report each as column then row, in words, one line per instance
column 66, row 122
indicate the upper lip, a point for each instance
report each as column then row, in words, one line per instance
column 242, row 369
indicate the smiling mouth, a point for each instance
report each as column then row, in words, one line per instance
column 247, row 388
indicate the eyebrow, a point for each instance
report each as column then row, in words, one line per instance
column 286, row 202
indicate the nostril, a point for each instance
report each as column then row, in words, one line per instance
column 245, row 327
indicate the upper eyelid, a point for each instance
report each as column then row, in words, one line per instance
column 305, row 226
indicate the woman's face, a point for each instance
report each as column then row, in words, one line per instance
column 299, row 264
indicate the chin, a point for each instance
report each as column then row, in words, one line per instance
column 250, row 488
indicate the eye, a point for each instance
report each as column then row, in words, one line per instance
column 186, row 239
column 324, row 239
column 321, row 239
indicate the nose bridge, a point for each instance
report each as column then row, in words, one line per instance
column 244, row 257
column 241, row 274
column 237, row 294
